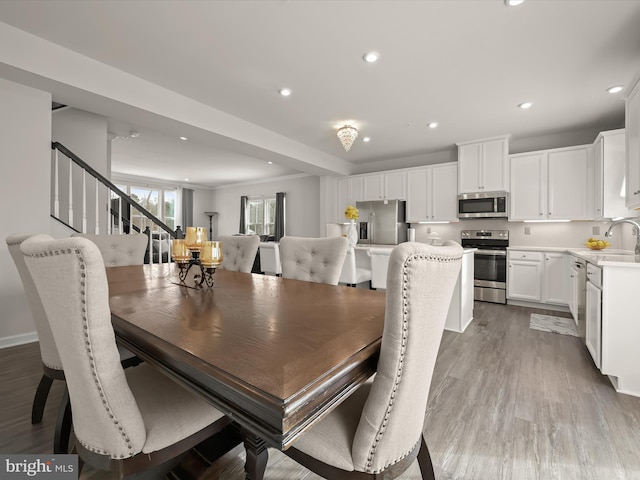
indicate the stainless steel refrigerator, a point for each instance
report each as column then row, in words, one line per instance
column 381, row 222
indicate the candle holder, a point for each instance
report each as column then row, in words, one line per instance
column 207, row 257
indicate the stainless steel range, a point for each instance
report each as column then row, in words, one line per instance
column 490, row 263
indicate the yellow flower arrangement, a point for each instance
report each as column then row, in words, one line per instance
column 351, row 213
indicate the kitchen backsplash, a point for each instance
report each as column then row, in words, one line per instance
column 545, row 234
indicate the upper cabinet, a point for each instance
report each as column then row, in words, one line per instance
column 609, row 184
column 550, row 185
column 431, row 194
column 349, row 192
column 385, row 186
column 483, row 165
column 632, row 128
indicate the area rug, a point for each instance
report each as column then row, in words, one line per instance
column 548, row 323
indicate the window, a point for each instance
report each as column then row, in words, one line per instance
column 261, row 215
column 157, row 201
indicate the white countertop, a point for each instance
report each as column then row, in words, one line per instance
column 601, row 258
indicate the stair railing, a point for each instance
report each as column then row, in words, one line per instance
column 104, row 208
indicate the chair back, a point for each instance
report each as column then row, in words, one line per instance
column 120, row 250
column 71, row 280
column 420, row 284
column 357, row 267
column 48, row 350
column 239, row 252
column 317, row 260
column 270, row 258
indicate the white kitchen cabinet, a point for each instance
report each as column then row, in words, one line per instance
column 550, row 185
column 431, row 194
column 524, row 275
column 632, row 131
column 608, row 175
column 483, row 165
column 460, row 312
column 593, row 336
column 350, row 191
column 385, row 186
column 555, row 281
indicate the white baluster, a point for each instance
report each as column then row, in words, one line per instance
column 97, row 227
column 56, row 188
column 109, row 215
column 70, row 193
column 84, row 201
column 121, row 229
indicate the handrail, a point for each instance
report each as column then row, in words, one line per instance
column 105, row 181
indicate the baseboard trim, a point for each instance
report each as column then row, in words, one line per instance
column 21, row 339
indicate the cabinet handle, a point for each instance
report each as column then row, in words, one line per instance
column 636, row 192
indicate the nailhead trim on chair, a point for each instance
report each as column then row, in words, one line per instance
column 398, row 377
column 96, row 380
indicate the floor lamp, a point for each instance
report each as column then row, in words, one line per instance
column 211, row 215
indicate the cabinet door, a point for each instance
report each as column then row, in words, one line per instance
column 395, row 186
column 343, row 198
column 469, row 158
column 373, row 187
column 632, row 126
column 444, row 198
column 598, row 171
column 568, row 186
column 555, row 279
column 495, row 166
column 524, row 280
column 356, row 191
column 574, row 285
column 593, row 336
column 417, row 191
column 527, row 190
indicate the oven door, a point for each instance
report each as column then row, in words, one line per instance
column 490, row 268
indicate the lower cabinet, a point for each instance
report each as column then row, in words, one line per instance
column 540, row 277
column 594, row 322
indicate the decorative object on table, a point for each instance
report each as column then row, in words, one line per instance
column 196, row 250
column 595, row 244
column 347, row 136
column 351, row 213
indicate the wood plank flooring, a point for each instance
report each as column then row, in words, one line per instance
column 506, row 402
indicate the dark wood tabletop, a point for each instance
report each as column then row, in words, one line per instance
column 275, row 354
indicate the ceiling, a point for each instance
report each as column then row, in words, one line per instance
column 466, row 64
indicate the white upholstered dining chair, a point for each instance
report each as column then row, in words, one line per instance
column 120, row 250
column 317, row 260
column 378, row 431
column 270, row 258
column 239, row 252
column 124, row 420
column 357, row 267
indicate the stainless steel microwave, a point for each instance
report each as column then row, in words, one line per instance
column 483, row 205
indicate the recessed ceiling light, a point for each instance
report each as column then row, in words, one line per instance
column 134, row 134
column 616, row 89
column 183, row 138
column 371, row 57
column 513, row 3
column 366, row 139
column 270, row 162
column 186, row 179
column 285, row 92
column 433, row 124
column 525, row 105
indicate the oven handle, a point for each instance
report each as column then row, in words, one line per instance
column 493, row 253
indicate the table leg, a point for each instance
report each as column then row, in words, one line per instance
column 257, row 455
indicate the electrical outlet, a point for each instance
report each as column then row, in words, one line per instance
column 527, row 230
column 428, row 230
column 595, row 230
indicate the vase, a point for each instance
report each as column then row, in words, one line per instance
column 352, row 233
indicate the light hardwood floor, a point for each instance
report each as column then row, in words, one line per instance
column 506, row 402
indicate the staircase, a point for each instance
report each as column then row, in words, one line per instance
column 87, row 202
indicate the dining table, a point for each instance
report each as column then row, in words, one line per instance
column 276, row 355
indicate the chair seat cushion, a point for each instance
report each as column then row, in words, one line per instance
column 172, row 416
column 363, row 275
column 331, row 439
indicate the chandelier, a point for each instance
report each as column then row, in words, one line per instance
column 347, row 136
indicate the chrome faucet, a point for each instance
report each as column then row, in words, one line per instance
column 608, row 233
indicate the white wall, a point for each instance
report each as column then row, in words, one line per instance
column 202, row 202
column 303, row 204
column 25, row 156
